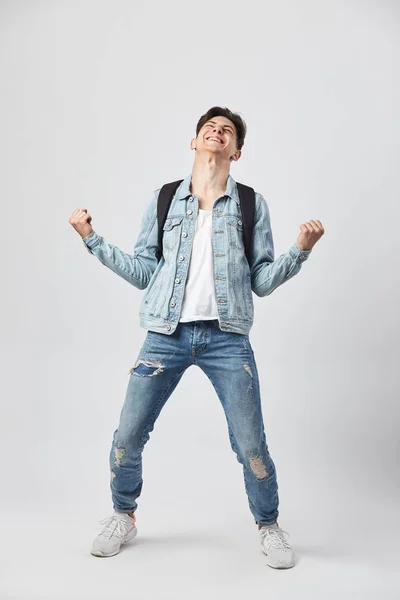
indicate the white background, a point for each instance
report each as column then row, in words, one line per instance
column 98, row 103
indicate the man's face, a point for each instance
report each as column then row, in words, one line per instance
column 218, row 136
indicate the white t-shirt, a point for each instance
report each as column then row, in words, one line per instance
column 199, row 301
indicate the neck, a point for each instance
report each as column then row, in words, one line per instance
column 209, row 177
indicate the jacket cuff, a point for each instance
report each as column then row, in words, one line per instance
column 297, row 254
column 91, row 240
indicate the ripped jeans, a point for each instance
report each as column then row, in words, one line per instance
column 228, row 361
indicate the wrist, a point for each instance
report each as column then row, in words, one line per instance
column 302, row 248
column 86, row 234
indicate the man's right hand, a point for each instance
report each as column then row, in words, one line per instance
column 80, row 221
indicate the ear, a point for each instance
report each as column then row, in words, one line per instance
column 193, row 143
column 237, row 155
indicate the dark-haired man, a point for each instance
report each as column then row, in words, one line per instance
column 198, row 310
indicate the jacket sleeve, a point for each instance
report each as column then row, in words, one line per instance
column 136, row 268
column 266, row 273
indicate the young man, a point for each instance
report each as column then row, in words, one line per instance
column 198, row 310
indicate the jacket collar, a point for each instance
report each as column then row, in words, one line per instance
column 183, row 190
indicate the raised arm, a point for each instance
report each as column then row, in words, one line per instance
column 136, row 268
column 266, row 273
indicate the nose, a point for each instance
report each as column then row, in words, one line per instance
column 218, row 129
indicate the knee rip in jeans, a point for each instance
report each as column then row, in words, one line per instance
column 119, row 454
column 145, row 368
column 258, row 468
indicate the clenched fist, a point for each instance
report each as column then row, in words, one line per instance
column 310, row 234
column 80, row 220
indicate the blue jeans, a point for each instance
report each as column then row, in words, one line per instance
column 228, row 361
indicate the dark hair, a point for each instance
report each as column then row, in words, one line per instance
column 219, row 111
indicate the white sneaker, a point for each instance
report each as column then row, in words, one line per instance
column 118, row 529
column 274, row 544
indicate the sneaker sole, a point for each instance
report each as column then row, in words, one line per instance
column 277, row 565
column 128, row 538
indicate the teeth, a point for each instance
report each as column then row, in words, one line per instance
column 215, row 139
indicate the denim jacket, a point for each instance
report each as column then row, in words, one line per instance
column 234, row 277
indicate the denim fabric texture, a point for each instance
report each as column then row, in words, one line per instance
column 228, row 361
column 234, row 278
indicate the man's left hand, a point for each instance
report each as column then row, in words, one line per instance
column 309, row 235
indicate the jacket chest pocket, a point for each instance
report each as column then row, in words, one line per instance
column 171, row 232
column 234, row 227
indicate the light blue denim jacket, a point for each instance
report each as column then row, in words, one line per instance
column 234, row 278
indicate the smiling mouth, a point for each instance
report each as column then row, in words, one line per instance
column 213, row 139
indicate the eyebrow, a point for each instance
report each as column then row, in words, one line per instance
column 214, row 122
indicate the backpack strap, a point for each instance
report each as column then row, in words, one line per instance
column 247, row 198
column 165, row 196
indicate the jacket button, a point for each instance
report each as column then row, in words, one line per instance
column 191, row 199
column 239, row 222
column 177, row 280
column 184, row 234
column 168, row 327
column 169, row 221
column 181, row 257
column 172, row 303
column 189, row 212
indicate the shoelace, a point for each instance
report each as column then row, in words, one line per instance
column 114, row 525
column 274, row 538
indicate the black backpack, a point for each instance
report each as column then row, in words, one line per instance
column 247, row 206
